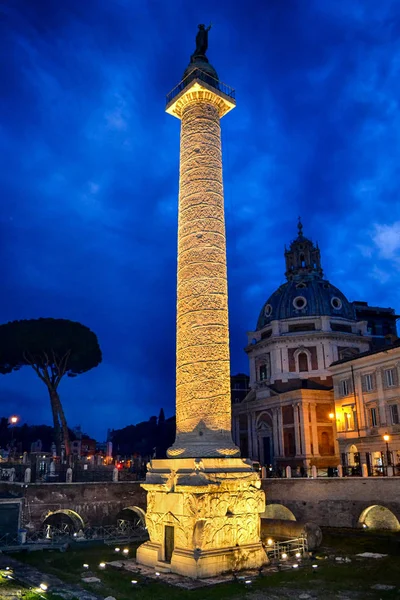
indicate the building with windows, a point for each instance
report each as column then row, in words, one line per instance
column 381, row 323
column 288, row 417
column 239, row 387
column 367, row 407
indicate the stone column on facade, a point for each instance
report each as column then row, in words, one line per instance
column 276, row 368
column 253, row 374
column 360, row 403
column 305, row 429
column 249, row 436
column 328, row 353
column 284, row 356
column 381, row 398
column 275, row 431
column 280, row 432
column 275, row 327
column 235, row 430
column 255, row 448
column 297, row 440
column 314, row 429
column 325, row 323
column 320, row 357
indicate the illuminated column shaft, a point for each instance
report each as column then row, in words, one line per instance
column 203, row 398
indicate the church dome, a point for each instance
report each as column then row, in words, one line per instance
column 306, row 293
column 313, row 298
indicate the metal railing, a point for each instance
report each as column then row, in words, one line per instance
column 385, row 465
column 199, row 74
column 59, row 537
column 284, row 549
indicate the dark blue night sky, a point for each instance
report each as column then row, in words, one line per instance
column 89, row 173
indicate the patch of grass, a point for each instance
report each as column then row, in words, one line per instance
column 329, row 578
column 11, row 587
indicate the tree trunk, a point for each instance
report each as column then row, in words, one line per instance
column 56, row 423
column 64, row 426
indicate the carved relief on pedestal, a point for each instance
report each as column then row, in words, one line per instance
column 215, row 519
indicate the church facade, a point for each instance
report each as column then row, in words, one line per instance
column 288, row 417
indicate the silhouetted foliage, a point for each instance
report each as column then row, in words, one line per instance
column 149, row 438
column 53, row 348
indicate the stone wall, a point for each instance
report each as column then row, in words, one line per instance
column 334, row 502
column 97, row 503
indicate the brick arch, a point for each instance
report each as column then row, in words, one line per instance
column 378, row 516
column 132, row 513
column 64, row 515
column 278, row 511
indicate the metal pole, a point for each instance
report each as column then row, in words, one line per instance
column 388, row 457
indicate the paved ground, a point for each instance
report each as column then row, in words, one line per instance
column 33, row 578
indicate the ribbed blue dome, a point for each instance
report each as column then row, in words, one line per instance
column 305, row 298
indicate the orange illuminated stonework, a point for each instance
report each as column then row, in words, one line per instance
column 204, row 502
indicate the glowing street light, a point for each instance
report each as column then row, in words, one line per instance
column 331, row 416
column 386, row 437
column 13, row 420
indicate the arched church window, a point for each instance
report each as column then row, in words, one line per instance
column 302, row 260
column 303, row 362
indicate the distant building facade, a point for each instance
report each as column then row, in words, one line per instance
column 288, row 417
column 381, row 323
column 239, row 387
column 367, row 407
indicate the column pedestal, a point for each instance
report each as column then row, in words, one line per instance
column 203, row 517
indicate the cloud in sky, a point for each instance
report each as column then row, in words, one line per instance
column 89, row 179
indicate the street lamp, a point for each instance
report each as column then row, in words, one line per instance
column 386, row 437
column 331, row 415
column 13, row 420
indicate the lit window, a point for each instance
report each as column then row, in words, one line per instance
column 394, row 410
column 373, row 418
column 348, row 421
column 389, row 377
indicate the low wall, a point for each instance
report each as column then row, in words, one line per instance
column 97, row 503
column 336, row 501
column 332, row 502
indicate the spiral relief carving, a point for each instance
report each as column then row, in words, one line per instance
column 202, row 365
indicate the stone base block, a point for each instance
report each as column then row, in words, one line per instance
column 149, row 554
column 211, row 563
column 203, row 516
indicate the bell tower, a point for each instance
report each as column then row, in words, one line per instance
column 303, row 259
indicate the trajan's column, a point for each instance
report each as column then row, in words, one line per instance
column 203, row 502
